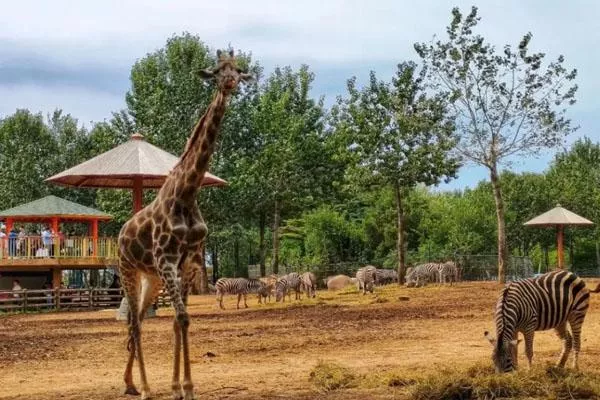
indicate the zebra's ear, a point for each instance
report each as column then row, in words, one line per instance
column 489, row 337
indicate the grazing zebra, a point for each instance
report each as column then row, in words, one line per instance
column 536, row 304
column 287, row 283
column 448, row 272
column 366, row 278
column 386, row 276
column 421, row 274
column 241, row 287
column 270, row 281
column 309, row 284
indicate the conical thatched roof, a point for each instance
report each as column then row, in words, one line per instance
column 117, row 168
column 558, row 216
column 52, row 206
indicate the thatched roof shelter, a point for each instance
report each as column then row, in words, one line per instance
column 559, row 217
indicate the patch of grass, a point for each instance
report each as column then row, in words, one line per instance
column 480, row 382
column 330, row 376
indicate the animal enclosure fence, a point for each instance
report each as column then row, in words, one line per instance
column 65, row 300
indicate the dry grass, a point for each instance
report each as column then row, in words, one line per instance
column 399, row 343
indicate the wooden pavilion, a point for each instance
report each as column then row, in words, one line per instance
column 27, row 252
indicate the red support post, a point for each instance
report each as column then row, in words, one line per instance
column 56, row 241
column 95, row 237
column 559, row 239
column 9, row 225
column 138, row 193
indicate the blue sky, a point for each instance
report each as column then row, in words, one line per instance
column 76, row 55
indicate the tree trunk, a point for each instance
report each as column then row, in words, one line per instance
column 571, row 253
column 502, row 247
column 236, row 257
column 598, row 255
column 400, row 235
column 203, row 276
column 215, row 262
column 261, row 243
column 275, row 261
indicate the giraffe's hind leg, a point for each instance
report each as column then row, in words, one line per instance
column 131, row 285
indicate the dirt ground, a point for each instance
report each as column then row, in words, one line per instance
column 268, row 351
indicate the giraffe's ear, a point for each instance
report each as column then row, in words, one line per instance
column 231, row 53
column 207, row 74
column 219, row 53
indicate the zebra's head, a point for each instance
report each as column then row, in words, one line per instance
column 504, row 354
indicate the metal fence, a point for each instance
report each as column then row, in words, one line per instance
column 474, row 267
column 65, row 300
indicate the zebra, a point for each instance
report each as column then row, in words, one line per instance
column 385, row 276
column 548, row 301
column 309, row 283
column 241, row 287
column 421, row 274
column 270, row 281
column 287, row 283
column 366, row 278
column 448, row 272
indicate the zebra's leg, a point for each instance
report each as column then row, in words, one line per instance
column 576, row 330
column 220, row 299
column 246, row 304
column 238, row 301
column 529, row 347
column 567, row 340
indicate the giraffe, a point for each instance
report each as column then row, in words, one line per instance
column 165, row 238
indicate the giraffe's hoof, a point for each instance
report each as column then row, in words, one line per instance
column 132, row 391
column 146, row 395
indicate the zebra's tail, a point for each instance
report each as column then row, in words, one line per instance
column 597, row 290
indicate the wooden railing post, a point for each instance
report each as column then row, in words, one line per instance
column 24, row 292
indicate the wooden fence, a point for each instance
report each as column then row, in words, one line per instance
column 65, row 300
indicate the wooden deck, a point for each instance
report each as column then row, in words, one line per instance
column 31, row 254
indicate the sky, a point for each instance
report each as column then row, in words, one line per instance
column 76, row 55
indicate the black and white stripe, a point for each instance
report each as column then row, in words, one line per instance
column 549, row 301
column 365, row 278
column 309, row 284
column 448, row 272
column 240, row 286
column 286, row 284
column 422, row 274
column 386, row 276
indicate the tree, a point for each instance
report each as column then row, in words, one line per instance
column 506, row 104
column 290, row 169
column 398, row 137
column 574, row 182
column 27, row 155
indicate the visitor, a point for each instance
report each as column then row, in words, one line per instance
column 3, row 243
column 12, row 242
column 16, row 288
column 47, row 241
column 22, row 242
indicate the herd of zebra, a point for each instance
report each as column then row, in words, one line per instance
column 267, row 287
column 556, row 300
column 366, row 278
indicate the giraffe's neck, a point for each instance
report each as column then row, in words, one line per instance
column 193, row 164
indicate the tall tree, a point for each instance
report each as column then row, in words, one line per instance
column 290, row 169
column 506, row 104
column 27, row 155
column 399, row 137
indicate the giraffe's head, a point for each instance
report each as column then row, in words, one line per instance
column 226, row 73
